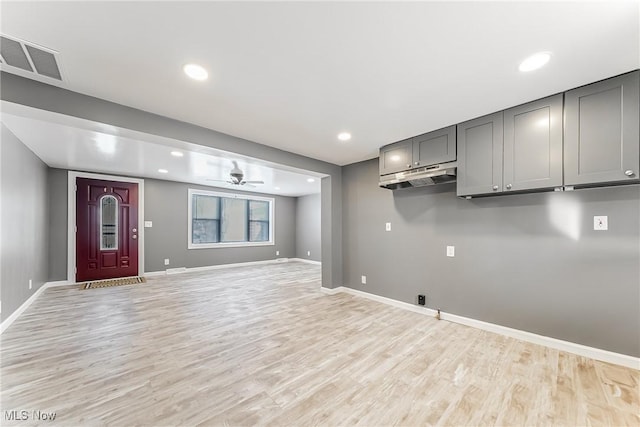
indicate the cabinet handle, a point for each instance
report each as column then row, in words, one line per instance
column 629, row 172
column 495, row 188
column 508, row 186
column 409, row 165
column 417, row 163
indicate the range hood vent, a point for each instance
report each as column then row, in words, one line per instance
column 420, row 177
column 29, row 57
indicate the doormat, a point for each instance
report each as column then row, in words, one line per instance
column 113, row 282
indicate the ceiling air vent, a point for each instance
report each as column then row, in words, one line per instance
column 29, row 57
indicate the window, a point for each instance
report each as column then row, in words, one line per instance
column 108, row 223
column 228, row 220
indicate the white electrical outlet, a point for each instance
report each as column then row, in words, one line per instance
column 387, row 226
column 451, row 251
column 30, row 283
column 364, row 280
column 277, row 253
column 166, row 261
column 308, row 253
column 600, row 223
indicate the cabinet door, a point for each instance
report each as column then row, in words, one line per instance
column 601, row 139
column 395, row 157
column 480, row 144
column 435, row 147
column 533, row 145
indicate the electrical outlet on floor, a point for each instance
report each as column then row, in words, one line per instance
column 30, row 283
column 364, row 280
column 277, row 253
column 166, row 261
column 308, row 253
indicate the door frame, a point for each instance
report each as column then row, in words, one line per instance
column 71, row 218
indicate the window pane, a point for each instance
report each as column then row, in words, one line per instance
column 206, row 207
column 234, row 220
column 259, row 231
column 205, row 231
column 108, row 223
column 258, row 210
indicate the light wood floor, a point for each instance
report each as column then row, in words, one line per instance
column 262, row 345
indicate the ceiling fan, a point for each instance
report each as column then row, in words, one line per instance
column 236, row 177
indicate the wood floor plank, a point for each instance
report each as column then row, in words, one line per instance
column 261, row 345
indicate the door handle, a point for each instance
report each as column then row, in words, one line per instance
column 134, row 230
column 134, row 237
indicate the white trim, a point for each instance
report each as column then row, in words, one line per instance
column 9, row 320
column 308, row 261
column 570, row 347
column 331, row 291
column 71, row 218
column 154, row 273
column 218, row 245
column 12, row 318
column 59, row 283
column 214, row 267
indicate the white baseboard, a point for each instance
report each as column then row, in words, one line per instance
column 331, row 291
column 570, row 347
column 154, row 273
column 58, row 283
column 214, row 267
column 12, row 318
column 308, row 261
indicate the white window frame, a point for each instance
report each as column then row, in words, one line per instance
column 194, row 192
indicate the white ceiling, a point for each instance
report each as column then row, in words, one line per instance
column 293, row 75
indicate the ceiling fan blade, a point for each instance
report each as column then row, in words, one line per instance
column 253, row 182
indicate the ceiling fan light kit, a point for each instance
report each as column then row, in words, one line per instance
column 236, row 177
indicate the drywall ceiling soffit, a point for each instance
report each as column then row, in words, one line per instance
column 96, row 147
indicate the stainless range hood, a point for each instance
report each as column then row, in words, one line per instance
column 420, row 177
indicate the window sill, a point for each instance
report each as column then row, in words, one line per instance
column 228, row 245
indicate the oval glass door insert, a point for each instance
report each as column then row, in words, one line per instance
column 108, row 223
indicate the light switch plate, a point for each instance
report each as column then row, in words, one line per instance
column 600, row 223
column 148, row 224
column 451, row 251
column 387, row 226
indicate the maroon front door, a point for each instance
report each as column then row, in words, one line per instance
column 107, row 229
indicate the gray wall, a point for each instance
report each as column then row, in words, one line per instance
column 39, row 95
column 24, row 222
column 58, row 193
column 166, row 206
column 531, row 262
column 308, row 222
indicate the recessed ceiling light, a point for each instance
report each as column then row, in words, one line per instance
column 535, row 61
column 177, row 153
column 344, row 136
column 311, row 180
column 195, row 71
column 163, row 171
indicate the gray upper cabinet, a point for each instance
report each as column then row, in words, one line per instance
column 480, row 144
column 396, row 157
column 435, row 147
column 428, row 149
column 533, row 145
column 601, row 139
